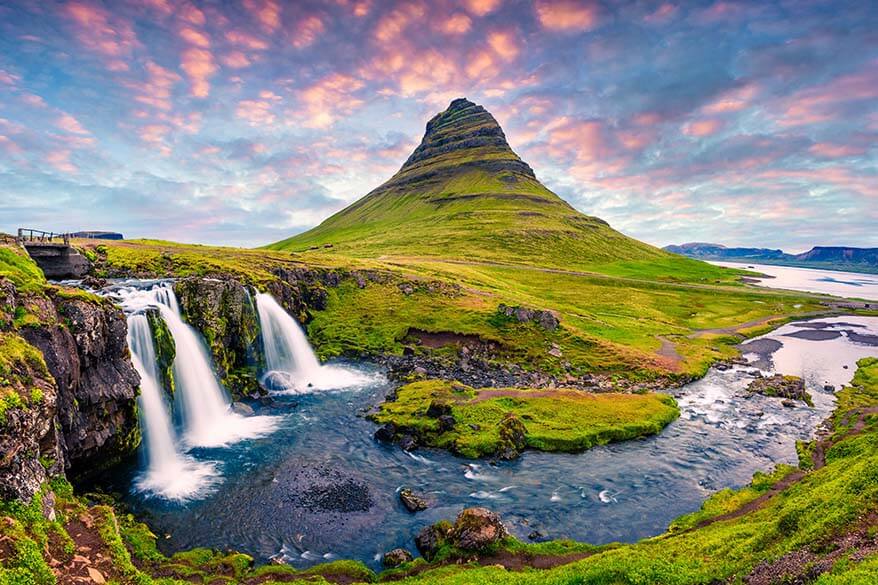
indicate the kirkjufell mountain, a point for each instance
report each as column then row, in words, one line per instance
column 464, row 193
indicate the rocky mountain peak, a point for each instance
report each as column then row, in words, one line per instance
column 464, row 132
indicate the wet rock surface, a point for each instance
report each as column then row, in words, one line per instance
column 411, row 501
column 789, row 388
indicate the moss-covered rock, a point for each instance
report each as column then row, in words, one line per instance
column 165, row 349
column 780, row 386
column 224, row 312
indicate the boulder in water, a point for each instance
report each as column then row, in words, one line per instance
column 276, row 381
column 242, row 408
column 412, row 502
column 386, row 433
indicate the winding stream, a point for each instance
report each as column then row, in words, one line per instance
column 319, row 487
column 310, row 484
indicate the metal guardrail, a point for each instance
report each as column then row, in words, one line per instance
column 31, row 236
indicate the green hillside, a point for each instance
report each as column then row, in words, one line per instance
column 463, row 194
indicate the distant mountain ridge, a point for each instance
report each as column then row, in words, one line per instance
column 839, row 257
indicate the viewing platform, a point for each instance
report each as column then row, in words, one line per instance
column 53, row 253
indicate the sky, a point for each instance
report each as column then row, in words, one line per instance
column 242, row 122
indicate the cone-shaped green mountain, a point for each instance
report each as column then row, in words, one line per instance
column 464, row 194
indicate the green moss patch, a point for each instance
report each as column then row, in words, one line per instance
column 553, row 420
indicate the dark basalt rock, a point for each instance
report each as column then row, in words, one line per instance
column 431, row 538
column 396, row 557
column 437, row 409
column 386, row 433
column 28, row 435
column 408, row 442
column 446, row 423
column 412, row 502
column 97, row 385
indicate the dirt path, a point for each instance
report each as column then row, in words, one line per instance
column 91, row 561
column 668, row 351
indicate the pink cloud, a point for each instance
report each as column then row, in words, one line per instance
column 34, row 100
column 329, row 99
column 236, row 60
column 481, row 65
column 156, row 90
column 246, row 40
column 482, row 7
column 307, row 31
column 661, row 14
column 70, row 124
column 702, row 128
column 732, row 101
column 195, row 37
column 504, row 44
column 7, row 78
column 824, row 102
column 60, row 159
column 456, row 24
column 393, row 24
column 831, row 150
column 188, row 12
column 267, row 12
column 565, row 15
column 98, row 31
column 8, row 145
column 162, row 6
column 198, row 64
column 258, row 112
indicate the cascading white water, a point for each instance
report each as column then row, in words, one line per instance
column 207, row 418
column 169, row 473
column 286, row 346
column 292, row 365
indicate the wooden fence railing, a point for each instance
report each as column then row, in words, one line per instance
column 27, row 236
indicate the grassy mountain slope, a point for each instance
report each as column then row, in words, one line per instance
column 464, row 194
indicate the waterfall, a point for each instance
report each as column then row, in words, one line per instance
column 169, row 473
column 286, row 347
column 292, row 365
column 207, row 418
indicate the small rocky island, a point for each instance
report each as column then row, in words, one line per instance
column 789, row 388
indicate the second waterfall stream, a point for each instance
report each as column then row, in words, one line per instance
column 292, row 366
